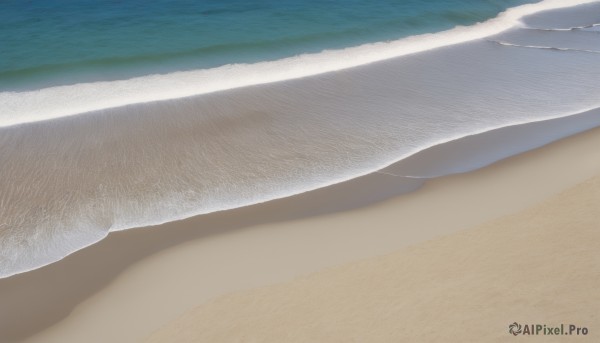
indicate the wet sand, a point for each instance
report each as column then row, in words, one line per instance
column 539, row 266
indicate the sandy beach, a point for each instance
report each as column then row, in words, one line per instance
column 538, row 266
column 437, row 187
column 176, row 267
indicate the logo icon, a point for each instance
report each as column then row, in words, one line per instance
column 514, row 328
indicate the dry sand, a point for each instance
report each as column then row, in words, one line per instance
column 132, row 283
column 539, row 266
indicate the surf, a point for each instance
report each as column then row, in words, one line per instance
column 78, row 99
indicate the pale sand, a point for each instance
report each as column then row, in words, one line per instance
column 161, row 287
column 539, row 266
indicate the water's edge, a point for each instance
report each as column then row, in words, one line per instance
column 69, row 181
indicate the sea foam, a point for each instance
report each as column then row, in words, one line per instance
column 60, row 101
column 67, row 182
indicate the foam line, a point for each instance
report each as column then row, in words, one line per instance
column 575, row 28
column 62, row 101
column 542, row 47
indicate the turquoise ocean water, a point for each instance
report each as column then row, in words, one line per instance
column 49, row 42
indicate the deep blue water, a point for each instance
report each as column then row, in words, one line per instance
column 47, row 42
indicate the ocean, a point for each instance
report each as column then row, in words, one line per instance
column 52, row 42
column 119, row 115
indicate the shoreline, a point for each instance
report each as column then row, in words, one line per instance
column 459, row 155
column 538, row 266
column 141, row 263
column 148, row 198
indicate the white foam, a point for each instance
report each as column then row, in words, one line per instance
column 593, row 27
column 62, row 101
column 543, row 47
